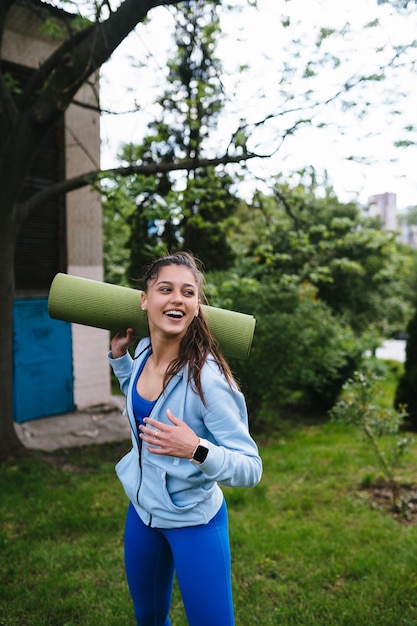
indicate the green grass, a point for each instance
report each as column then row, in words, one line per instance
column 307, row 547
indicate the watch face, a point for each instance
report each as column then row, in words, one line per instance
column 200, row 454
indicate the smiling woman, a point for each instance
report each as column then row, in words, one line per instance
column 174, row 294
column 183, row 405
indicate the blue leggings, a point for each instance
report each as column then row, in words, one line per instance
column 200, row 557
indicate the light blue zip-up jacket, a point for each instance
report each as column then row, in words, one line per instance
column 169, row 492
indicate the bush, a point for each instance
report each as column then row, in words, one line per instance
column 359, row 407
column 300, row 352
column 406, row 394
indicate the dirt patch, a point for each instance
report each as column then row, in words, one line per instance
column 399, row 501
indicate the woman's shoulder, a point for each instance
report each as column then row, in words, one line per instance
column 143, row 344
column 211, row 367
column 212, row 373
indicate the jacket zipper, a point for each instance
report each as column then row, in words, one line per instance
column 140, row 442
column 140, row 445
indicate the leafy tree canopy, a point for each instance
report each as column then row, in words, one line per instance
column 346, row 72
column 299, row 236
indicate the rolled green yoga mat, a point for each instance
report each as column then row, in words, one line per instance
column 114, row 308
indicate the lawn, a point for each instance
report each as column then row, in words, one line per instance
column 308, row 546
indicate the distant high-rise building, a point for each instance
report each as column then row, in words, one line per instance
column 384, row 206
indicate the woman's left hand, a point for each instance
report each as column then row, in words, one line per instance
column 178, row 440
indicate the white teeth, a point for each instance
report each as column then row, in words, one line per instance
column 177, row 314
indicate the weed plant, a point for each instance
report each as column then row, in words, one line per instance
column 381, row 425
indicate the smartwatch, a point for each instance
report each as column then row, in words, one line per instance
column 200, row 453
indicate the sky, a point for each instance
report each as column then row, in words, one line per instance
column 356, row 151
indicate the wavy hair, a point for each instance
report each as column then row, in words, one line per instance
column 198, row 342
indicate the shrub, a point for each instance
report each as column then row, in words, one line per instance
column 358, row 407
column 406, row 394
column 300, row 352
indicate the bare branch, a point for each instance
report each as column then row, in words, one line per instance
column 149, row 169
column 80, row 56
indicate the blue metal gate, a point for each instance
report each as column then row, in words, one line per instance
column 42, row 365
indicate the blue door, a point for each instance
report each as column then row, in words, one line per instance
column 42, row 363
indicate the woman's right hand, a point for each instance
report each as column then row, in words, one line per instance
column 121, row 342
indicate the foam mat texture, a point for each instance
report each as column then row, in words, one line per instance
column 114, row 308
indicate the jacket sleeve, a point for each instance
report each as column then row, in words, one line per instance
column 233, row 459
column 122, row 368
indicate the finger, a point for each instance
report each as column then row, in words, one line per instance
column 154, row 450
column 172, row 417
column 152, row 423
column 149, row 432
column 151, row 440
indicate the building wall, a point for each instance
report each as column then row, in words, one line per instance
column 22, row 25
column 85, row 249
column 25, row 44
column 384, row 206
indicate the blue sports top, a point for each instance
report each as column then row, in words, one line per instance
column 141, row 407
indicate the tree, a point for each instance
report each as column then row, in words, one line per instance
column 324, row 284
column 149, row 216
column 194, row 211
column 405, row 395
column 398, row 4
column 25, row 118
column 305, row 235
column 117, row 212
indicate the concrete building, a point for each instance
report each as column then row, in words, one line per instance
column 65, row 237
column 384, row 206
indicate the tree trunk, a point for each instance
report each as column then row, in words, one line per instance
column 9, row 441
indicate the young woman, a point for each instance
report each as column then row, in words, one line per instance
column 189, row 434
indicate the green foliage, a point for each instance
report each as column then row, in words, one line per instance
column 117, row 212
column 409, row 218
column 406, row 391
column 398, row 4
column 389, row 372
column 193, row 211
column 404, row 143
column 359, row 408
column 143, row 219
column 324, row 283
column 301, row 352
column 209, row 218
column 13, row 85
column 300, row 236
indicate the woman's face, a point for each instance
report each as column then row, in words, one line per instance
column 171, row 301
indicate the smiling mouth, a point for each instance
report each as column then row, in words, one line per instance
column 174, row 315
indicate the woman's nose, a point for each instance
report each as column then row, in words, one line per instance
column 176, row 296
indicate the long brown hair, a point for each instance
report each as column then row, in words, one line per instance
column 198, row 342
